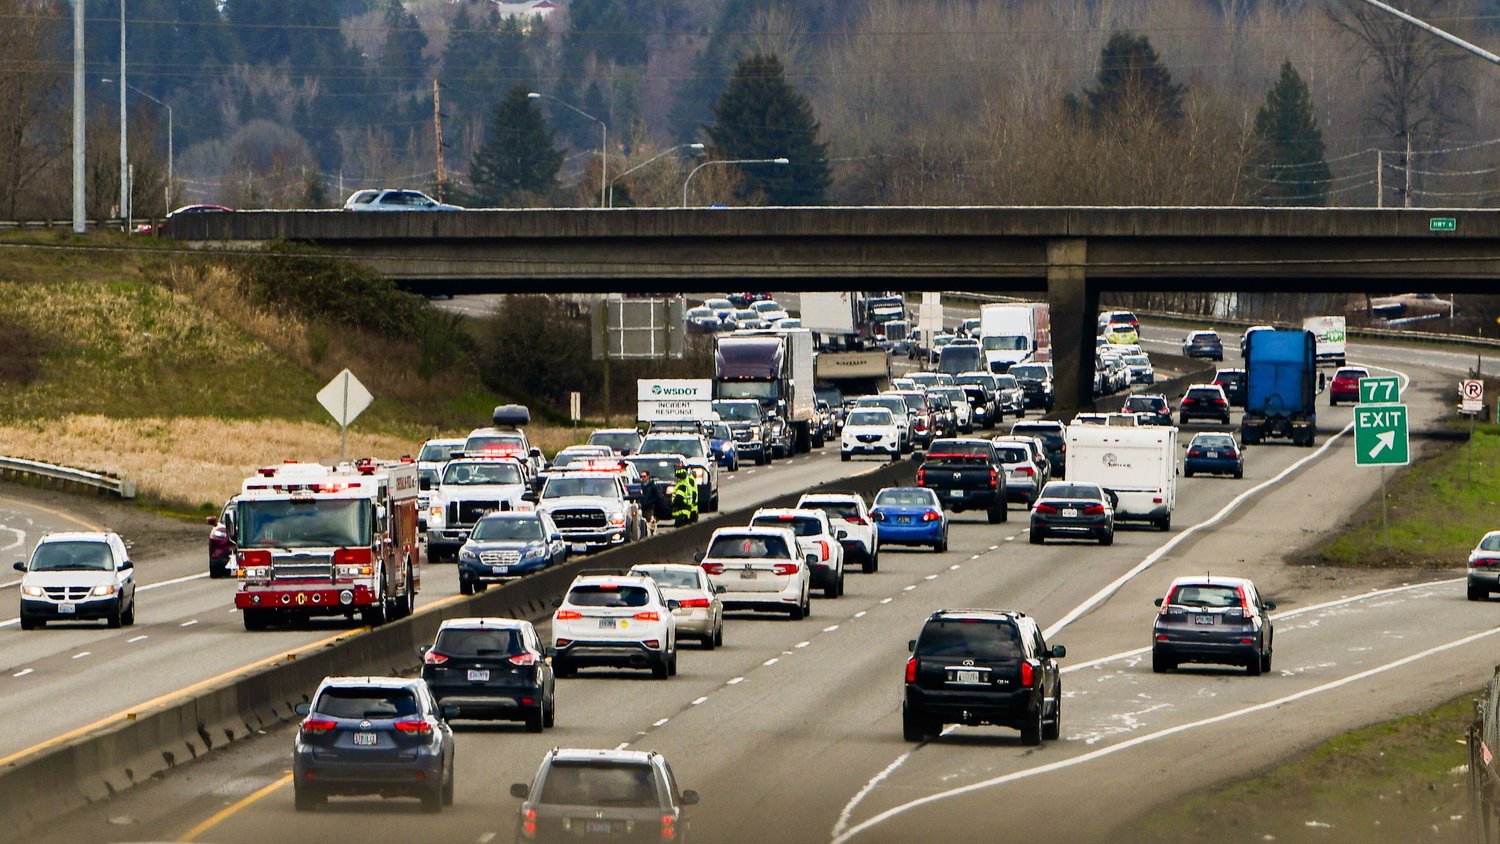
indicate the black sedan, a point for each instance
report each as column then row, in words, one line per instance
column 1071, row 509
column 1219, row 620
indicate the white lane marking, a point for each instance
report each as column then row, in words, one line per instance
column 486, row 838
column 772, row 661
column 860, row 614
column 188, row 623
column 954, row 567
column 993, row 548
column 622, row 745
column 907, row 589
column 20, row 538
column 81, row 654
column 840, row 836
column 830, row 628
column 136, row 639
column 700, row 701
column 661, row 722
column 1010, row 539
column 930, row 577
column 173, row 582
column 801, row 645
column 885, row 600
column 22, row 673
column 1162, row 550
column 735, row 681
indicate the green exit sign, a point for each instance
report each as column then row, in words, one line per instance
column 1442, row 224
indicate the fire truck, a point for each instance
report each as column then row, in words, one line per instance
column 328, row 540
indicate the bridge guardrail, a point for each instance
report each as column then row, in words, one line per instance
column 122, row 487
column 67, row 223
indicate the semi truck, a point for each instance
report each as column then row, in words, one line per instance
column 1008, row 334
column 1330, row 338
column 776, row 369
column 848, row 357
column 1281, row 385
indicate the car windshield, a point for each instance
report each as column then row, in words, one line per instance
column 1087, row 492
column 880, row 417
column 737, row 411
column 1029, row 372
column 624, row 441
column 1213, row 441
column 1006, row 382
column 608, row 595
column 748, row 547
column 671, row 578
column 917, row 401
column 568, row 487
column 1205, row 595
column 748, row 390
column 661, row 469
column 894, row 404
column 72, row 556
column 437, row 452
column 801, row 526
column 507, row 530
column 685, row 446
column 906, row 498
column 464, row 641
column 481, row 474
column 1007, row 343
column 699, row 313
column 720, row 431
column 969, row 639
column 1138, row 360
column 1490, row 543
column 976, row 380
column 304, row 524
column 746, row 315
column 366, row 704
column 953, row 394
column 594, row 784
column 832, row 396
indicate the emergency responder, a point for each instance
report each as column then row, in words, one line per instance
column 652, row 501
column 685, row 497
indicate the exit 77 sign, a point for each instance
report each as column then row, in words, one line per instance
column 1380, row 435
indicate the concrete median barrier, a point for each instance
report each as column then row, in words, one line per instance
column 91, row 767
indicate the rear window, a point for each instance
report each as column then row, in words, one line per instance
column 834, row 509
column 749, row 547
column 366, row 703
column 1143, row 403
column 1490, row 543
column 1352, row 373
column 1203, row 394
column 673, row 579
column 1048, row 435
column 491, row 642
column 1212, row 596
column 1017, row 454
column 970, row 639
column 595, row 784
column 801, row 526
column 906, row 498
column 437, row 452
column 1079, row 491
column 1223, row 441
column 608, row 595
column 956, row 447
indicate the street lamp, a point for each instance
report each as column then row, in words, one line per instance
column 689, row 179
column 603, row 141
column 109, row 81
column 696, row 147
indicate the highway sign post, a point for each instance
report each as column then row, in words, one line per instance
column 1471, row 404
column 344, row 398
column 1381, row 436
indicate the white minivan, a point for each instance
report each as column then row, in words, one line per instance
column 78, row 576
column 1136, row 465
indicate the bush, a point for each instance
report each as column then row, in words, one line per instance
column 331, row 290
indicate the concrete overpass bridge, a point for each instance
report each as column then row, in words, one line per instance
column 1071, row 254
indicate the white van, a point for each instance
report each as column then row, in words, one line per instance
column 1137, row 464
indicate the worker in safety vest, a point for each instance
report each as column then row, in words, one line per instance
column 685, row 497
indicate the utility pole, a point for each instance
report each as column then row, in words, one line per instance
column 80, row 223
column 1379, row 178
column 124, row 143
column 437, row 127
column 1406, row 172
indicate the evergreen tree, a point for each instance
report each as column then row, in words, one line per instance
column 760, row 116
column 713, row 67
column 517, row 165
column 482, row 61
column 401, row 57
column 1131, row 82
column 1291, row 158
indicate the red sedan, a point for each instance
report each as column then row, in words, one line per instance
column 1345, row 385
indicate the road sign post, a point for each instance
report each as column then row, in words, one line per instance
column 1381, row 436
column 1471, row 404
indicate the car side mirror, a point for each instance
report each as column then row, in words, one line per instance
column 811, row 558
column 697, row 557
column 424, row 484
column 19, row 566
column 1059, row 651
column 690, row 797
column 674, row 604
column 449, row 711
column 843, row 534
column 529, row 496
column 422, row 651
column 520, row 789
column 534, row 452
column 1160, row 601
column 720, row 590
column 1322, row 381
column 911, row 645
column 302, row 709
column 556, row 537
column 1269, row 605
column 127, row 566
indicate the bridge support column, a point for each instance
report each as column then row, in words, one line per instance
column 1074, row 305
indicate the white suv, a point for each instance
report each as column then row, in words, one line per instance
column 77, row 577
column 870, row 430
column 848, row 513
column 817, row 538
column 620, row 621
column 760, row 569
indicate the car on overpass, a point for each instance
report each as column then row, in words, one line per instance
column 603, row 795
column 1212, row 619
column 389, row 199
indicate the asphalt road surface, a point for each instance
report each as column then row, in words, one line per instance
column 792, row 731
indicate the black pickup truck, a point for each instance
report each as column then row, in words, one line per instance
column 966, row 474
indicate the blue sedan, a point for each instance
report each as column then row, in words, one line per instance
column 721, row 443
column 1214, row 454
column 910, row 516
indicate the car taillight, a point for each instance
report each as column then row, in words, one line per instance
column 1046, row 508
column 823, row 546
column 434, row 658
column 930, row 516
column 1220, row 402
column 856, row 520
column 1094, row 510
column 921, row 477
column 994, row 478
column 1028, row 673
column 413, row 728
column 317, row 726
column 1231, row 453
column 1189, row 401
column 694, row 603
column 528, row 823
column 1193, row 452
column 911, row 670
column 568, row 615
column 713, row 568
column 351, row 557
column 648, row 615
column 784, row 569
column 524, row 659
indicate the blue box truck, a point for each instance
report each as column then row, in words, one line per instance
column 1281, row 383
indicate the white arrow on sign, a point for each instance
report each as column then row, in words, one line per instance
column 1383, row 440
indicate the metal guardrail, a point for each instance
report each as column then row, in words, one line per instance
column 67, row 223
column 123, row 487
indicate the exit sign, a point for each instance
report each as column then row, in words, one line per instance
column 1442, row 224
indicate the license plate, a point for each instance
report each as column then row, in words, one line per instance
column 1070, row 512
column 955, row 493
column 747, row 574
column 499, row 569
column 1203, row 619
column 971, row 677
column 579, row 548
column 67, row 609
column 904, row 520
column 477, row 676
column 598, row 828
column 607, row 624
column 364, row 739
column 1210, row 454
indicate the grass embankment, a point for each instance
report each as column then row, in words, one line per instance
column 1437, row 511
column 178, row 373
column 1398, row 781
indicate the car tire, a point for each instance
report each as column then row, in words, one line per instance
column 941, row 546
column 1164, row 523
column 896, row 455
column 1052, row 729
column 999, row 514
column 465, row 586
column 719, row 636
column 914, row 727
column 1476, row 593
column 535, row 720
column 868, row 565
column 844, row 456
column 796, row 613
column 1252, row 665
column 1239, row 473
column 449, row 787
column 660, row 670
column 672, row 664
column 1332, row 402
column 1160, row 664
column 1187, row 473
column 1037, row 537
column 1265, row 663
column 561, row 668
column 114, row 619
column 1108, row 538
column 256, row 619
column 710, row 641
column 32, row 624
column 760, row 459
column 549, row 715
column 127, row 618
column 304, row 799
column 1031, row 731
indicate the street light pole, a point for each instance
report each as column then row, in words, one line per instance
column 107, row 81
column 80, row 203
column 697, row 147
column 689, row 179
column 124, row 142
column 603, row 142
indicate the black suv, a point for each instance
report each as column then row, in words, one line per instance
column 491, row 669
column 1150, row 410
column 1054, row 437
column 977, row 667
column 1233, row 382
column 603, row 795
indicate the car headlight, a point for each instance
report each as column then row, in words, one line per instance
column 33, row 591
column 103, row 590
column 699, row 474
column 435, row 516
column 353, row 571
column 755, row 430
column 535, row 549
column 467, row 555
column 617, row 518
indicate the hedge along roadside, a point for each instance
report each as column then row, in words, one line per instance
column 92, row 767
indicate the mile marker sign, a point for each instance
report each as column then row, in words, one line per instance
column 1380, row 435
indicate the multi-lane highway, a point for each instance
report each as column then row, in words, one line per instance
column 792, row 731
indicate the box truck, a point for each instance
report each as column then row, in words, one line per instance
column 1008, row 334
column 1136, row 464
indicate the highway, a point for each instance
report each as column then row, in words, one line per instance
column 791, row 732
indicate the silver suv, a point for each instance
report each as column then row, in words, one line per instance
column 608, row 795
